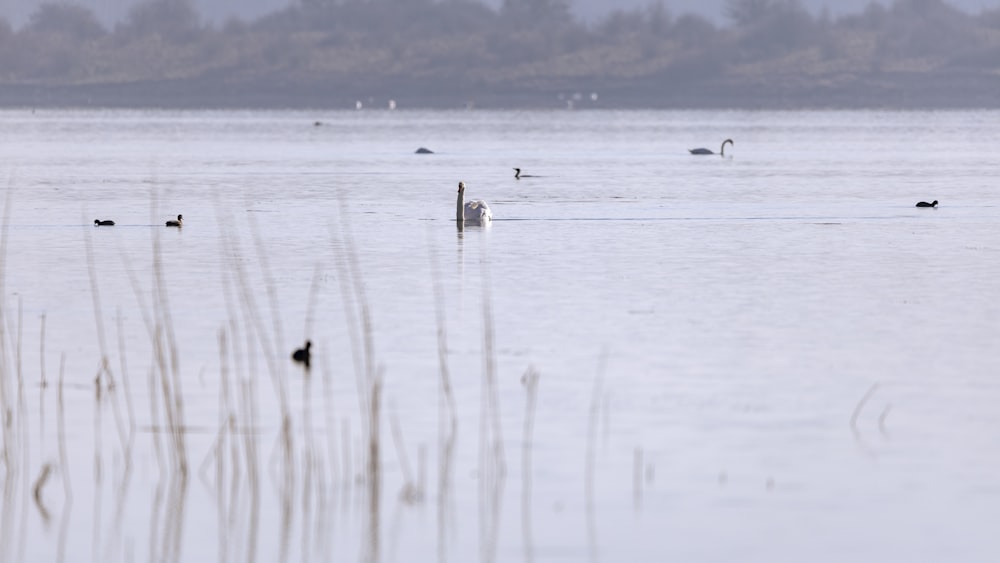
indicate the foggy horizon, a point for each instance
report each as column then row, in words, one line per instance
column 111, row 12
column 526, row 53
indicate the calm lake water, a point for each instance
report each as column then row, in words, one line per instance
column 767, row 356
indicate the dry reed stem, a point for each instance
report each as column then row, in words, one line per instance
column 152, row 332
column 530, row 381
column 166, row 344
column 95, row 519
column 5, row 398
column 410, row 493
column 126, row 384
column 278, row 371
column 589, row 465
column 251, row 312
column 374, row 477
column 42, row 382
column 447, row 431
column 22, row 424
column 369, row 382
column 860, row 406
column 64, row 472
column 343, row 278
column 95, row 293
column 127, row 442
column 493, row 469
column 345, row 443
column 250, row 450
column 881, row 420
column 330, row 420
column 358, row 322
column 225, row 424
column 43, row 478
column 309, row 464
column 854, row 420
column 238, row 459
column 155, row 548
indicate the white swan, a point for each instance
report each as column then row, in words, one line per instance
column 722, row 151
column 473, row 212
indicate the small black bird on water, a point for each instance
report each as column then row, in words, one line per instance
column 104, row 223
column 179, row 222
column 302, row 354
column 925, row 204
column 518, row 175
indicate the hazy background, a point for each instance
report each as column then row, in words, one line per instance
column 513, row 53
column 111, row 11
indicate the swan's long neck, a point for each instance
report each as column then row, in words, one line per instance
column 460, row 211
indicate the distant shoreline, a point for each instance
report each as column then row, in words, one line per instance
column 913, row 93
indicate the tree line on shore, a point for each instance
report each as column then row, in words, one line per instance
column 466, row 47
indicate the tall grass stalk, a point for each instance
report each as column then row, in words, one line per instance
column 447, row 416
column 369, row 380
column 530, row 381
column 42, row 382
column 492, row 462
column 589, row 463
column 22, row 424
column 7, row 416
column 64, row 472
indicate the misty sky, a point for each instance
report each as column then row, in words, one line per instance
column 17, row 11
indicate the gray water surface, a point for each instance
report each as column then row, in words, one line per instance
column 768, row 356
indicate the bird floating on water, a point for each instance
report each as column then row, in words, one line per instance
column 104, row 223
column 722, row 151
column 424, row 150
column 302, row 355
column 179, row 222
column 518, row 175
column 472, row 212
column 925, row 204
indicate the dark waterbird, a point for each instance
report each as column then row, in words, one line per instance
column 424, row 150
column 518, row 175
column 104, row 223
column 722, row 150
column 179, row 222
column 302, row 355
column 925, row 204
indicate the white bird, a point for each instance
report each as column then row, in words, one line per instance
column 474, row 212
